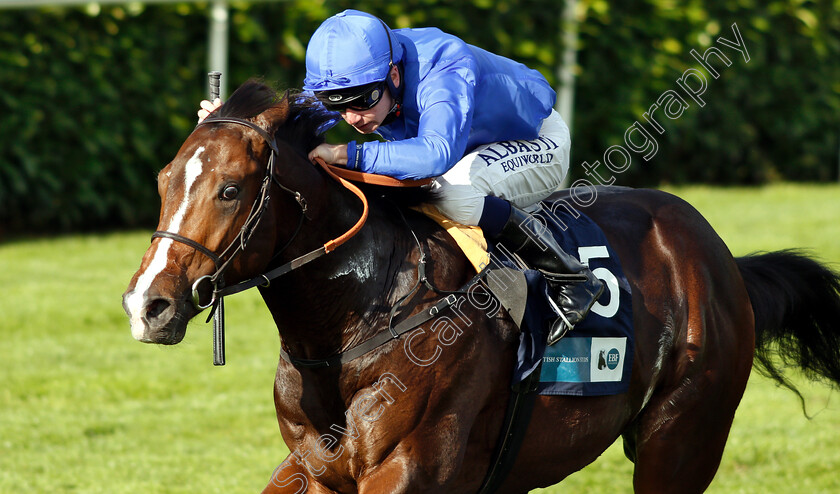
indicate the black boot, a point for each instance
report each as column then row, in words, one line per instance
column 574, row 286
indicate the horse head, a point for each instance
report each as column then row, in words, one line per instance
column 225, row 206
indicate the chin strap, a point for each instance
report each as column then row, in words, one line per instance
column 396, row 92
column 393, row 113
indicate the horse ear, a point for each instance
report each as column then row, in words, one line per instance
column 273, row 117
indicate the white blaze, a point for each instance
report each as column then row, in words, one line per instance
column 135, row 301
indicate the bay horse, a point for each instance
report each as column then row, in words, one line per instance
column 382, row 423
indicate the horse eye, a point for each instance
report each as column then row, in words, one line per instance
column 229, row 193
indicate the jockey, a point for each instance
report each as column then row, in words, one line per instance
column 481, row 125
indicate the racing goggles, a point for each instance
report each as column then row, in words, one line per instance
column 358, row 98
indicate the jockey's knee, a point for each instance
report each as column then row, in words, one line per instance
column 460, row 203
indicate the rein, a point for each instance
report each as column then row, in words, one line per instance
column 246, row 232
column 374, row 179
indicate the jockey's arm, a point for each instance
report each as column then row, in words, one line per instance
column 446, row 110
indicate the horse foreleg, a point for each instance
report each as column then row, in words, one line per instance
column 398, row 476
column 293, row 478
column 418, row 465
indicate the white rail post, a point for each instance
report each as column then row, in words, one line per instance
column 217, row 55
column 566, row 69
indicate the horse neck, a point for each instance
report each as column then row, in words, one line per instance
column 344, row 297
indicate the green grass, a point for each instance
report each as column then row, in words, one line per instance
column 85, row 408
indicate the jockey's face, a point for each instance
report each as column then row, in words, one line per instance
column 367, row 121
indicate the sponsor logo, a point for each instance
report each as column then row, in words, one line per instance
column 566, row 360
column 613, row 357
column 607, row 359
column 584, row 360
column 518, row 153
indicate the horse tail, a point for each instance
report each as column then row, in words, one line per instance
column 796, row 302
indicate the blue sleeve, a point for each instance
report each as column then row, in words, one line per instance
column 445, row 103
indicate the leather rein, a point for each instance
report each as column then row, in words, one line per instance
column 222, row 261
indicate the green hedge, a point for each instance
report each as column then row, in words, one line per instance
column 96, row 101
column 776, row 117
column 94, row 106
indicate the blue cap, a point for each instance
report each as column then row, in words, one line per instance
column 349, row 49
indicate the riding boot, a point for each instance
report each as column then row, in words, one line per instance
column 574, row 287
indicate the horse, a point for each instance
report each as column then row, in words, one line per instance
column 379, row 422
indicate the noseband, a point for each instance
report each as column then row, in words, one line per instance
column 222, row 261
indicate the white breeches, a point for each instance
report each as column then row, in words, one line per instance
column 522, row 172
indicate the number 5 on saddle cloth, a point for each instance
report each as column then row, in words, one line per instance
column 596, row 357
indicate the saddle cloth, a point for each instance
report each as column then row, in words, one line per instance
column 596, row 357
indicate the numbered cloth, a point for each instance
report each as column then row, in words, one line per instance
column 596, row 357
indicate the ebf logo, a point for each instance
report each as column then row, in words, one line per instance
column 608, row 356
column 613, row 357
column 609, row 359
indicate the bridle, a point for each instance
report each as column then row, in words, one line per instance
column 223, row 260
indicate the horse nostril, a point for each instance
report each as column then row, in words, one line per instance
column 156, row 307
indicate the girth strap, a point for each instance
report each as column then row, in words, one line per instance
column 517, row 417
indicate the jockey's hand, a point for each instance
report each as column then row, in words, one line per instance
column 207, row 107
column 332, row 154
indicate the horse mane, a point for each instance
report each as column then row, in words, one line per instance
column 303, row 120
column 249, row 100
